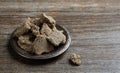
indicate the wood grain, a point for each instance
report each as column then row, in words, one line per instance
column 94, row 26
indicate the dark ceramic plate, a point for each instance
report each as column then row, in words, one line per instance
column 58, row 51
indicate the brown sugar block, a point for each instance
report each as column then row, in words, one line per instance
column 41, row 45
column 57, row 37
column 25, row 43
column 75, row 59
column 47, row 19
column 46, row 29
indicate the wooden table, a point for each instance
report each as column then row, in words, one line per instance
column 94, row 26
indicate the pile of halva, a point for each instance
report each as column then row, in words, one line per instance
column 39, row 35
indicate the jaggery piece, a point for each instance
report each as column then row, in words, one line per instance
column 25, row 43
column 57, row 37
column 41, row 45
column 75, row 59
column 46, row 29
column 47, row 19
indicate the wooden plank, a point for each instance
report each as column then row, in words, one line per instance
column 93, row 60
column 82, row 1
column 90, row 6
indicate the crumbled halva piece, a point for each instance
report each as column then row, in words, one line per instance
column 25, row 43
column 41, row 45
column 46, row 30
column 48, row 20
column 75, row 59
column 57, row 37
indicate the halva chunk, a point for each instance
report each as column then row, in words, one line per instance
column 75, row 59
column 25, row 43
column 46, row 30
column 41, row 45
column 57, row 37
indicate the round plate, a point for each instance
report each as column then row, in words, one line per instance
column 58, row 51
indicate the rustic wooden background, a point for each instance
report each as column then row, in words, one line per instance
column 94, row 26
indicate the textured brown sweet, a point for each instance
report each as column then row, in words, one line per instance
column 75, row 59
column 25, row 27
column 47, row 19
column 41, row 45
column 34, row 29
column 46, row 30
column 25, row 43
column 41, row 33
column 57, row 37
column 36, row 21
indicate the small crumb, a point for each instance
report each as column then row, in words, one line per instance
column 75, row 59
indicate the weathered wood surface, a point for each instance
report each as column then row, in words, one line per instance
column 94, row 26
